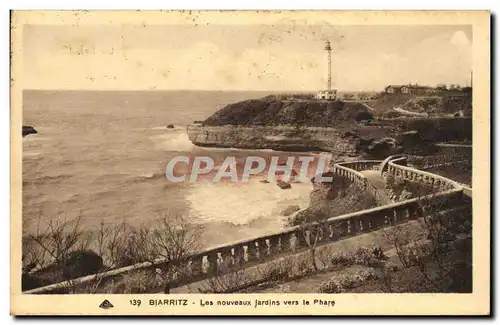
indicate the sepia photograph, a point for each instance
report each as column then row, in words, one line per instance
column 249, row 156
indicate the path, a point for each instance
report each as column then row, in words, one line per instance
column 368, row 106
column 403, row 111
column 378, row 182
column 453, row 145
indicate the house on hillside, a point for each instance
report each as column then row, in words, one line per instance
column 393, row 89
column 418, row 90
column 410, row 89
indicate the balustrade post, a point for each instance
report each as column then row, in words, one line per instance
column 365, row 223
column 395, row 216
column 387, row 220
column 354, row 226
column 327, row 231
column 437, row 184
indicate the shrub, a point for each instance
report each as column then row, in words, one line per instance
column 365, row 275
column 362, row 256
column 81, row 263
column 364, row 116
column 29, row 282
column 366, row 257
column 342, row 259
column 330, row 286
column 340, row 283
column 140, row 282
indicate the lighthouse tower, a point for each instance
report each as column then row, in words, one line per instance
column 328, row 94
column 328, row 50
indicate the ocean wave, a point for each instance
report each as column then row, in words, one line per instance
column 173, row 141
column 30, row 154
column 244, row 205
column 151, row 176
column 176, row 128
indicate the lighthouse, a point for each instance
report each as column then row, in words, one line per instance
column 328, row 94
column 328, row 50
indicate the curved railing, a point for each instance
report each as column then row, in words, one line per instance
column 362, row 164
column 416, row 175
column 351, row 169
column 244, row 253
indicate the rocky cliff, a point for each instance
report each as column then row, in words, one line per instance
column 270, row 111
column 283, row 138
column 342, row 128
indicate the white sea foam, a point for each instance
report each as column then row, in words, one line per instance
column 245, row 203
column 173, row 141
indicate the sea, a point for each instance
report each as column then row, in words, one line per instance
column 102, row 155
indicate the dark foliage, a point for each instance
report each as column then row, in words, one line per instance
column 81, row 263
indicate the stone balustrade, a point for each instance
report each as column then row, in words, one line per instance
column 360, row 165
column 352, row 175
column 242, row 254
column 351, row 169
column 415, row 175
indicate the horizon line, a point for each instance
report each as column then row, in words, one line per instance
column 206, row 90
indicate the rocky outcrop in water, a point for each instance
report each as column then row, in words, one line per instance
column 290, row 210
column 283, row 185
column 27, row 130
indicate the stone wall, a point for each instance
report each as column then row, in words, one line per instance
column 440, row 129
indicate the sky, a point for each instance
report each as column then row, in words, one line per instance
column 281, row 57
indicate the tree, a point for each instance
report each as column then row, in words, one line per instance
column 59, row 247
column 311, row 233
column 166, row 246
column 441, row 254
column 61, row 251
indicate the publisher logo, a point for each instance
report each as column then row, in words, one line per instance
column 106, row 304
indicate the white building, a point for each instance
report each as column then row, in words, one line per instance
column 327, row 94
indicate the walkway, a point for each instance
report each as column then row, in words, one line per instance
column 403, row 111
column 368, row 106
column 378, row 182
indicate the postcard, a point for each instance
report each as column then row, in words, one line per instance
column 250, row 163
